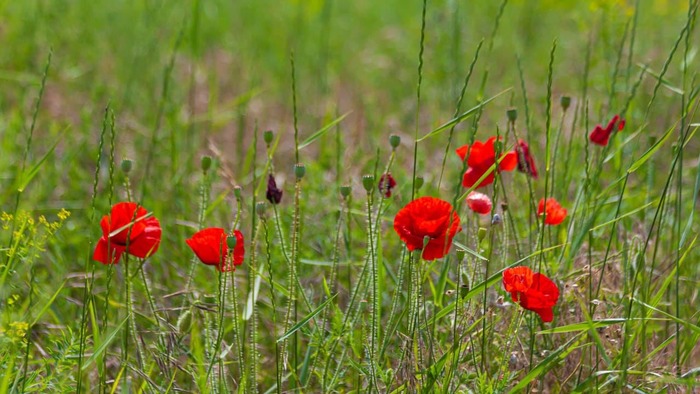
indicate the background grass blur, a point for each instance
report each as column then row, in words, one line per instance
column 188, row 78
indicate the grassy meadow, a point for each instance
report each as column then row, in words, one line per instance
column 347, row 282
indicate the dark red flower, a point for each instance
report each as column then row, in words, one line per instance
column 479, row 202
column 554, row 212
column 480, row 157
column 427, row 217
column 526, row 163
column 533, row 291
column 211, row 248
column 128, row 228
column 601, row 136
column 386, row 183
column 273, row 194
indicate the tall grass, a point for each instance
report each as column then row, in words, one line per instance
column 161, row 104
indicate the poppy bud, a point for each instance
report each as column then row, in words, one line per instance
column 419, row 182
column 394, row 141
column 512, row 114
column 460, row 254
column 565, row 102
column 463, row 290
column 386, row 183
column 273, row 194
column 231, row 242
column 368, row 182
column 205, row 163
column 481, row 234
column 345, row 191
column 268, row 136
column 299, row 170
column 260, row 208
column 126, row 166
column 184, row 322
column 237, row 192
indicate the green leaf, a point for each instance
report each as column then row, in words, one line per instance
column 461, row 117
column 469, row 251
column 105, row 343
column 48, row 304
column 306, row 319
column 28, row 175
column 313, row 137
column 639, row 162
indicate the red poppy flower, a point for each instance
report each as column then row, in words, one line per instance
column 533, row 291
column 427, row 217
column 526, row 163
column 128, row 228
column 386, row 183
column 480, row 157
column 479, row 203
column 211, row 248
column 554, row 212
column 601, row 136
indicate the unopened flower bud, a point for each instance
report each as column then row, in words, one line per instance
column 260, row 208
column 268, row 135
column 299, row 170
column 394, row 141
column 481, row 234
column 184, row 322
column 345, row 191
column 231, row 242
column 419, row 182
column 126, row 166
column 565, row 102
column 460, row 254
column 386, row 184
column 368, row 182
column 237, row 192
column 512, row 114
column 205, row 163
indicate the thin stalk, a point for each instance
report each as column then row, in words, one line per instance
column 418, row 102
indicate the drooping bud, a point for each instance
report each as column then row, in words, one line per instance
column 368, row 182
column 299, row 170
column 126, row 166
column 205, row 163
column 394, row 141
column 386, row 183
column 273, row 194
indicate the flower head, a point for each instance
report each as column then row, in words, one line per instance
column 480, row 157
column 386, row 183
column 427, row 218
column 211, row 248
column 601, row 136
column 128, row 228
column 526, row 163
column 273, row 194
column 553, row 211
column 479, row 202
column 533, row 291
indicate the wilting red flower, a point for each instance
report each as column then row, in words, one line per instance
column 273, row 194
column 554, row 212
column 533, row 291
column 211, row 248
column 479, row 203
column 427, row 217
column 480, row 157
column 601, row 136
column 386, row 183
column 128, row 228
column 526, row 163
